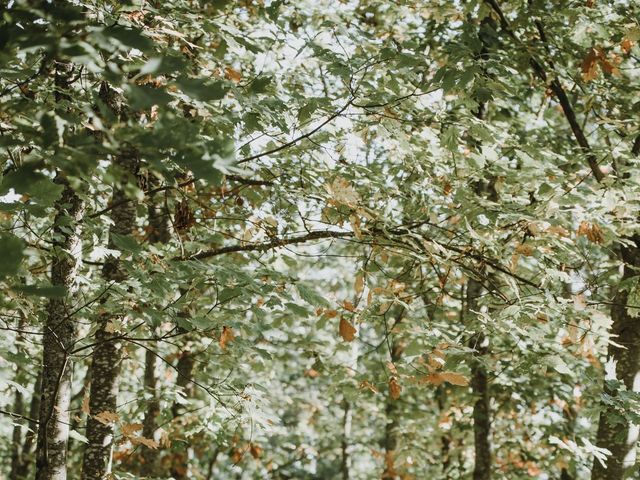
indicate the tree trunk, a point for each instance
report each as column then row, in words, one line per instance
column 16, row 437
column 480, row 388
column 391, row 433
column 186, row 362
column 106, row 357
column 346, row 433
column 158, row 232
column 27, row 447
column 619, row 436
column 59, row 337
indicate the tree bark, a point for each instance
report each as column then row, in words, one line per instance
column 391, row 433
column 480, row 388
column 59, row 337
column 184, row 368
column 158, row 233
column 27, row 447
column 346, row 433
column 620, row 436
column 106, row 357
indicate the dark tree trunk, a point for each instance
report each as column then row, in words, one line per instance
column 59, row 337
column 346, row 433
column 106, row 357
column 480, row 388
column 184, row 368
column 26, row 460
column 614, row 433
column 16, row 437
column 158, row 233
column 391, row 433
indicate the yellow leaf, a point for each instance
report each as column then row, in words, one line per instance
column 347, row 331
column 394, row 388
column 107, row 417
column 367, row 385
column 226, row 337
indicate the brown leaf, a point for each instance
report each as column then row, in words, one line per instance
column 311, row 373
column 525, row 249
column 147, row 442
column 233, row 75
column 226, row 337
column 359, row 284
column 439, row 378
column 347, row 331
column 129, row 429
column 255, row 450
column 107, row 417
column 590, row 65
column 367, row 385
column 85, row 403
column 626, row 45
column 394, row 388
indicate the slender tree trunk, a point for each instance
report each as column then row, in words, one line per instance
column 106, row 357
column 619, row 436
column 158, row 232
column 391, row 433
column 445, row 437
column 480, row 388
column 16, row 437
column 346, row 433
column 27, row 447
column 186, row 363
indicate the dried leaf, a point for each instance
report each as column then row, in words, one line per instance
column 626, row 45
column 85, row 403
column 455, row 378
column 255, row 450
column 367, row 385
column 590, row 65
column 525, row 249
column 107, row 417
column 147, row 442
column 311, row 373
column 392, row 368
column 359, row 284
column 342, row 193
column 128, row 429
column 233, row 75
column 394, row 388
column 347, row 331
column 226, row 337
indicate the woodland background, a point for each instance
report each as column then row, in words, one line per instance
column 321, row 239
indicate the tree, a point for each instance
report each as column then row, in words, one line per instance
column 362, row 239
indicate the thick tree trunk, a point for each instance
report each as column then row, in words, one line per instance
column 619, row 436
column 59, row 337
column 480, row 388
column 106, row 357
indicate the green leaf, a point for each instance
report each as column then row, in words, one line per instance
column 42, row 290
column 202, row 90
column 311, row 297
column 12, row 253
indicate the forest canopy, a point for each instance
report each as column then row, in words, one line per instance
column 350, row 239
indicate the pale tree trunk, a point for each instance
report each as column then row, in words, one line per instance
column 106, row 358
column 158, row 233
column 59, row 333
column 59, row 337
column 480, row 388
column 620, row 438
